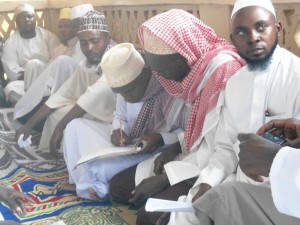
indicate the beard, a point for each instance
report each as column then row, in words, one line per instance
column 261, row 64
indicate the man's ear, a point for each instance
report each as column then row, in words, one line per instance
column 278, row 26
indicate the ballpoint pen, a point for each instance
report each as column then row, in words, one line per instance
column 121, row 133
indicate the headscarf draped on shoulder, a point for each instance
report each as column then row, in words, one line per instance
column 198, row 43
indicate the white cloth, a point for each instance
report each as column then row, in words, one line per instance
column 98, row 133
column 266, row 4
column 98, row 173
column 247, row 96
column 285, row 181
column 86, row 89
column 65, row 60
column 18, row 51
column 30, row 56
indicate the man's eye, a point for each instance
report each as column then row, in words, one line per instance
column 240, row 33
column 261, row 27
column 95, row 41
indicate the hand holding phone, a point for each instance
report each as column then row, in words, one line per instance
column 275, row 135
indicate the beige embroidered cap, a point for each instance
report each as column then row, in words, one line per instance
column 121, row 65
column 93, row 20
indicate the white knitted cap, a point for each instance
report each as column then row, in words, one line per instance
column 80, row 10
column 239, row 4
column 121, row 65
column 23, row 7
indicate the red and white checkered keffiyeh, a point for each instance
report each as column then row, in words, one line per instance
column 199, row 44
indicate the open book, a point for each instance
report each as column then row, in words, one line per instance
column 113, row 151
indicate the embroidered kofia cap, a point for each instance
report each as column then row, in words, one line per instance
column 80, row 10
column 65, row 13
column 121, row 65
column 239, row 4
column 93, row 20
column 23, row 7
column 153, row 44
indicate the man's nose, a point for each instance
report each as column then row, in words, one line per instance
column 90, row 45
column 254, row 36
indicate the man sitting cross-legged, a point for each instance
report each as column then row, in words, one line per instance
column 144, row 110
column 86, row 92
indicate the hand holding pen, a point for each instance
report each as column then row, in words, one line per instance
column 119, row 137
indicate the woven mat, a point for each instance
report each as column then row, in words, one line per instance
column 43, row 178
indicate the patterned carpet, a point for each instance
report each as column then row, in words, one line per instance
column 43, row 178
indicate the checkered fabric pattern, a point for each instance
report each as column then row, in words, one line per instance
column 153, row 115
column 199, row 44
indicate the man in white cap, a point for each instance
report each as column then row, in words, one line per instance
column 85, row 93
column 26, row 52
column 65, row 59
column 78, row 11
column 267, row 88
column 142, row 111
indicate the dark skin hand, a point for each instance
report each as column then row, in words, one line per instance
column 26, row 129
column 166, row 156
column 203, row 188
column 154, row 141
column 55, row 141
column 149, row 187
column 119, row 139
column 290, row 128
column 15, row 200
column 256, row 155
column 57, row 135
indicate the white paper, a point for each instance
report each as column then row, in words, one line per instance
column 26, row 143
column 113, row 151
column 160, row 205
column 176, row 171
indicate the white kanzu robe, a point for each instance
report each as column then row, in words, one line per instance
column 65, row 61
column 30, row 56
column 248, row 95
column 98, row 173
column 86, row 89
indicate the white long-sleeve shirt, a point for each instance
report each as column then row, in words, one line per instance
column 285, row 181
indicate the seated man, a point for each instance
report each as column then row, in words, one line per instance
column 86, row 91
column 194, row 68
column 144, row 110
column 66, row 58
column 241, row 203
column 267, row 88
column 26, row 52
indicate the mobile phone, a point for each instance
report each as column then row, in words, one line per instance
column 275, row 135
